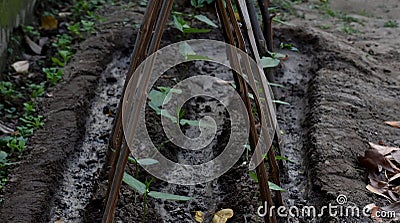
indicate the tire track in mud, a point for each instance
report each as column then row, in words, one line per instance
column 84, row 166
column 295, row 77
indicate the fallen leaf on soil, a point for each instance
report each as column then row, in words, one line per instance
column 21, row 66
column 395, row 168
column 199, row 217
column 394, row 177
column 392, row 195
column 34, row 47
column 396, row 190
column 369, row 207
column 49, row 23
column 222, row 216
column 382, row 143
column 384, row 150
column 64, row 14
column 374, row 214
column 5, row 129
column 395, row 124
column 43, row 41
column 392, row 207
column 377, row 191
column 396, row 156
column 375, row 161
column 378, row 183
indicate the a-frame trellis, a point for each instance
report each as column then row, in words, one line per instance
column 148, row 41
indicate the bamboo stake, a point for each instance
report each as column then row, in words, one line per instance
column 267, row 23
column 261, row 171
column 140, row 52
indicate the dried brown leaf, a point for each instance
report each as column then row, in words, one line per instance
column 396, row 190
column 43, row 41
column 21, row 66
column 392, row 195
column 199, row 216
column 396, row 156
column 377, row 191
column 396, row 176
column 392, row 207
column 375, row 161
column 384, row 150
column 369, row 207
column 395, row 168
column 64, row 14
column 395, row 124
column 34, row 47
column 378, row 183
column 222, row 216
column 5, row 129
column 49, row 23
column 374, row 214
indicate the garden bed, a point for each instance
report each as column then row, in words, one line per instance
column 339, row 99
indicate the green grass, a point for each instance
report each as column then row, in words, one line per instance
column 391, row 24
column 325, row 26
column 348, row 29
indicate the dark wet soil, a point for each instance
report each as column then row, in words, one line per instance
column 339, row 99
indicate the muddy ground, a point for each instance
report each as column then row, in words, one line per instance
column 341, row 88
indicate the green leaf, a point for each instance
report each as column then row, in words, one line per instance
column 155, row 108
column 276, row 55
column 3, row 157
column 5, row 140
column 281, row 22
column 195, row 30
column 280, row 102
column 65, row 54
column 185, row 49
column 194, row 3
column 283, row 158
column 251, row 96
column 165, row 90
column 166, row 114
column 57, row 62
column 189, row 122
column 197, row 57
column 253, row 175
column 288, row 46
column 273, row 186
column 166, row 196
column 178, row 22
column 157, row 97
column 147, row 161
column 269, row 62
column 206, row 20
column 276, row 85
column 134, row 183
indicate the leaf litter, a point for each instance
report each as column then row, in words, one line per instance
column 395, row 124
column 383, row 164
